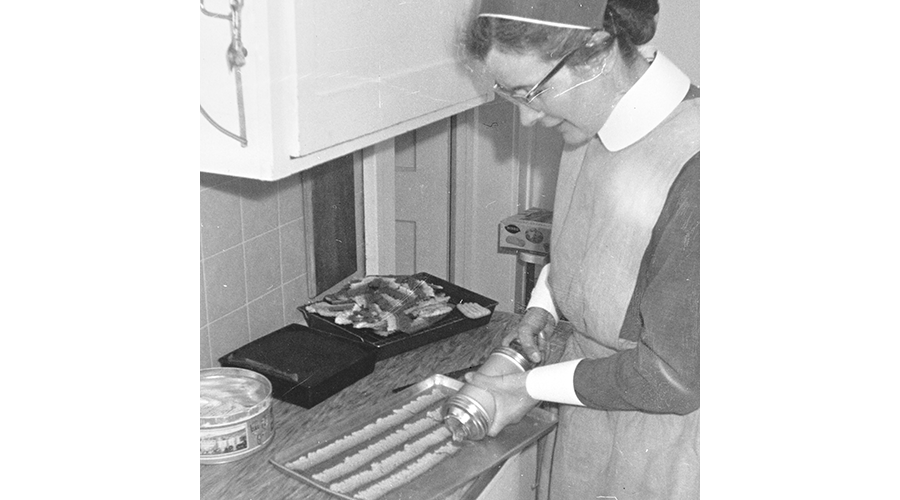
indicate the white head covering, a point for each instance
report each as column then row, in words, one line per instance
column 584, row 14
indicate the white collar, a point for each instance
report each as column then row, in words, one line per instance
column 655, row 95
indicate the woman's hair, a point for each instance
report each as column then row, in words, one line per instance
column 631, row 23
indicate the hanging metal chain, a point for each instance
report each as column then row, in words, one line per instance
column 236, row 57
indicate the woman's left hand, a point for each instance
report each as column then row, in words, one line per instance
column 533, row 333
column 511, row 399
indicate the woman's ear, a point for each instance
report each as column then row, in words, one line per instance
column 603, row 44
column 597, row 38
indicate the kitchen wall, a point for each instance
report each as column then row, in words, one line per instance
column 252, row 260
column 678, row 35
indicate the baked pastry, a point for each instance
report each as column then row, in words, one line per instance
column 473, row 310
column 385, row 304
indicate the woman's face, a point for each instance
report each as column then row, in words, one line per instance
column 567, row 106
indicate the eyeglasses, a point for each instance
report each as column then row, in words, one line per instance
column 518, row 97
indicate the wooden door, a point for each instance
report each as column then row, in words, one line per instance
column 422, row 190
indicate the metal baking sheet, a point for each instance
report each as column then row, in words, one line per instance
column 471, row 459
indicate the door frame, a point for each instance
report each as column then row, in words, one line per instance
column 487, row 164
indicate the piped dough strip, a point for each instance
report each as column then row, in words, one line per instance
column 365, row 455
column 408, row 473
column 366, row 433
column 392, row 462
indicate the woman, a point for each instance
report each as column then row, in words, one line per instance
column 625, row 245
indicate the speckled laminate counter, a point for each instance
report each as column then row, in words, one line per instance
column 254, row 478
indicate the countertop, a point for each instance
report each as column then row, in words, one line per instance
column 254, row 478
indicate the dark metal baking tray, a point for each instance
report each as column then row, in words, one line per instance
column 398, row 342
column 468, row 463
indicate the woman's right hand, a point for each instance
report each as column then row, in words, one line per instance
column 510, row 398
column 533, row 333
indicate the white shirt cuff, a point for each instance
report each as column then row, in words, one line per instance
column 555, row 383
column 540, row 295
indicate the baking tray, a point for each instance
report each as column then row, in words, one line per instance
column 320, row 460
column 452, row 323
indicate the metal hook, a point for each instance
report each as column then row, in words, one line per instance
column 227, row 17
column 235, row 57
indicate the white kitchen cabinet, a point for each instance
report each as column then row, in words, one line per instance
column 324, row 79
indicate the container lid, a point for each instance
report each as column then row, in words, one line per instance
column 229, row 395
